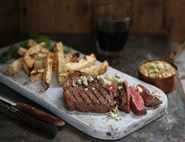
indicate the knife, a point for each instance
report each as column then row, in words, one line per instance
column 42, row 121
column 35, row 112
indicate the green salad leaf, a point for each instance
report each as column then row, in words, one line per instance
column 46, row 39
column 11, row 52
column 24, row 44
column 67, row 50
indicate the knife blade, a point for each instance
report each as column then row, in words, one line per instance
column 49, row 129
column 35, row 112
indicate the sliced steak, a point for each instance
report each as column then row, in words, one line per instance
column 85, row 93
column 150, row 101
column 137, row 102
column 113, row 89
column 124, row 96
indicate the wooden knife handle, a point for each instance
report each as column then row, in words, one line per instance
column 39, row 114
column 49, row 129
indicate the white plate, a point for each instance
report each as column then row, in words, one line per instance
column 97, row 125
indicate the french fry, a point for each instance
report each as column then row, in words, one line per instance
column 47, row 73
column 39, row 64
column 96, row 70
column 37, row 71
column 36, row 76
column 21, row 51
column 31, row 43
column 15, row 67
column 25, row 67
column 44, row 50
column 71, row 57
column 84, row 62
column 29, row 57
column 59, row 55
column 41, row 56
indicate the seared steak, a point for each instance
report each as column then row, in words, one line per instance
column 150, row 101
column 86, row 94
column 124, row 97
column 137, row 102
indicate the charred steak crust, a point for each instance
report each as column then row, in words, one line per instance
column 85, row 93
column 93, row 97
column 137, row 103
column 150, row 101
column 124, row 97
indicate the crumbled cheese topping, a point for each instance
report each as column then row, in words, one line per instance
column 84, row 80
column 110, row 79
column 139, row 89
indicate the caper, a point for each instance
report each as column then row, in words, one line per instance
column 85, row 83
column 79, row 81
column 90, row 78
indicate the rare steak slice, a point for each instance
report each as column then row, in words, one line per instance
column 85, row 93
column 150, row 101
column 124, row 96
column 137, row 102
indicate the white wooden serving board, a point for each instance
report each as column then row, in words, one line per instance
column 97, row 125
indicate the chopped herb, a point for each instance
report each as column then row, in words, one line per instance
column 114, row 114
column 156, row 94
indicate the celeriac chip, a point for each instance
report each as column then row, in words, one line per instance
column 84, row 62
column 47, row 73
column 15, row 67
column 96, row 70
column 59, row 55
column 29, row 57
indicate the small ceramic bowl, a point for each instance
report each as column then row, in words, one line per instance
column 167, row 84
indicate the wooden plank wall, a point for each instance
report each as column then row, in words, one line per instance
column 56, row 16
column 9, row 15
column 75, row 16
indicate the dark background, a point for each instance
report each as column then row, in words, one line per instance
column 149, row 17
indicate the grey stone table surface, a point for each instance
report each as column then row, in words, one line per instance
column 170, row 127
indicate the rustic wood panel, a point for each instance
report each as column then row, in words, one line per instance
column 123, row 7
column 37, row 16
column 175, row 20
column 72, row 16
column 148, row 16
column 57, row 16
column 75, row 16
column 9, row 15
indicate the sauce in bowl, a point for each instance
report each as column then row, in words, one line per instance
column 157, row 69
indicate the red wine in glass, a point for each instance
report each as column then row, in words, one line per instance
column 112, row 35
